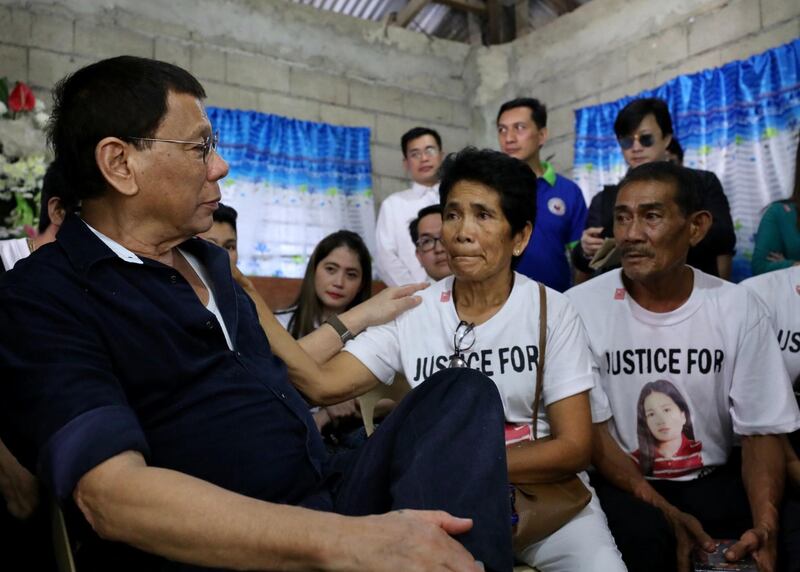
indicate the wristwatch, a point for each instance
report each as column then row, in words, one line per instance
column 344, row 334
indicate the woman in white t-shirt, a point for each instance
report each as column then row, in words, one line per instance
column 488, row 315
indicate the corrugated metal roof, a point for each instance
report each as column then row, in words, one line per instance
column 437, row 19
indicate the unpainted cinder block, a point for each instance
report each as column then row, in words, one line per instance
column 739, row 18
column 288, row 106
column 257, row 71
column 100, row 42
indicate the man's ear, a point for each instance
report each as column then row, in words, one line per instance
column 699, row 222
column 405, row 165
column 116, row 163
column 543, row 135
column 56, row 211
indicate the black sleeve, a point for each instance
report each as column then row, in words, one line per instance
column 599, row 215
column 721, row 238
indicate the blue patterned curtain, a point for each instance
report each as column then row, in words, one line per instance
column 292, row 182
column 740, row 120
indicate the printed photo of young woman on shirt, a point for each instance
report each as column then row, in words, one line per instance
column 667, row 447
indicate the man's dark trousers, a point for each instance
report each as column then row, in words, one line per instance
column 442, row 448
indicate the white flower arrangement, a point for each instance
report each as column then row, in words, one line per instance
column 23, row 159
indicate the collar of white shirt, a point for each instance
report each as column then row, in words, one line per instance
column 115, row 246
column 422, row 190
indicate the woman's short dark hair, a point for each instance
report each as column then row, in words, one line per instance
column 511, row 178
column 647, row 445
column 629, row 118
column 308, row 309
column 684, row 181
column 121, row 97
column 227, row 215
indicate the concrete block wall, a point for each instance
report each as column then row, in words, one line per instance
column 281, row 57
column 271, row 56
column 607, row 49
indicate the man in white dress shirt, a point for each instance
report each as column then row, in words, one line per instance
column 395, row 256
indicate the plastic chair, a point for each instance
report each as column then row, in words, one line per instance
column 367, row 402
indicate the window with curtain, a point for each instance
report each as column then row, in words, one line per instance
column 292, row 182
column 740, row 121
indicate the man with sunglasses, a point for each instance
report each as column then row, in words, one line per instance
column 426, row 235
column 136, row 378
column 644, row 132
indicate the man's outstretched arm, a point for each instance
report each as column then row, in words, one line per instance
column 323, row 343
column 189, row 520
column 321, row 379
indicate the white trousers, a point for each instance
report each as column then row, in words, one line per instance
column 584, row 544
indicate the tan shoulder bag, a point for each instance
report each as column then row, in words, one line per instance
column 543, row 508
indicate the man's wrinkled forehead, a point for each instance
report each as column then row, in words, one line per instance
column 641, row 193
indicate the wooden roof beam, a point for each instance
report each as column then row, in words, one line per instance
column 474, row 6
column 410, row 11
column 561, row 7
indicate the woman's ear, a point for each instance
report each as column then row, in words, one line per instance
column 522, row 238
column 116, row 161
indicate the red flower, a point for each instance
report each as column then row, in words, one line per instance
column 21, row 98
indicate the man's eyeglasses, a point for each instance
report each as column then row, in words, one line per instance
column 429, row 152
column 428, row 243
column 208, row 144
column 644, row 139
column 463, row 340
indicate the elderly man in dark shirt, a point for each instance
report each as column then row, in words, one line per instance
column 137, row 379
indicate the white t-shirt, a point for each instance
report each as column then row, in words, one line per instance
column 717, row 351
column 779, row 291
column 419, row 342
column 395, row 254
column 285, row 316
column 13, row 250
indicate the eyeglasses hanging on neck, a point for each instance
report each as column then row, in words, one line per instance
column 463, row 340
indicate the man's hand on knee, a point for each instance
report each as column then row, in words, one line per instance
column 411, row 540
column 689, row 536
column 761, row 543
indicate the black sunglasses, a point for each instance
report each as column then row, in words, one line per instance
column 645, row 140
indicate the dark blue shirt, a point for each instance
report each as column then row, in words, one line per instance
column 560, row 216
column 100, row 356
